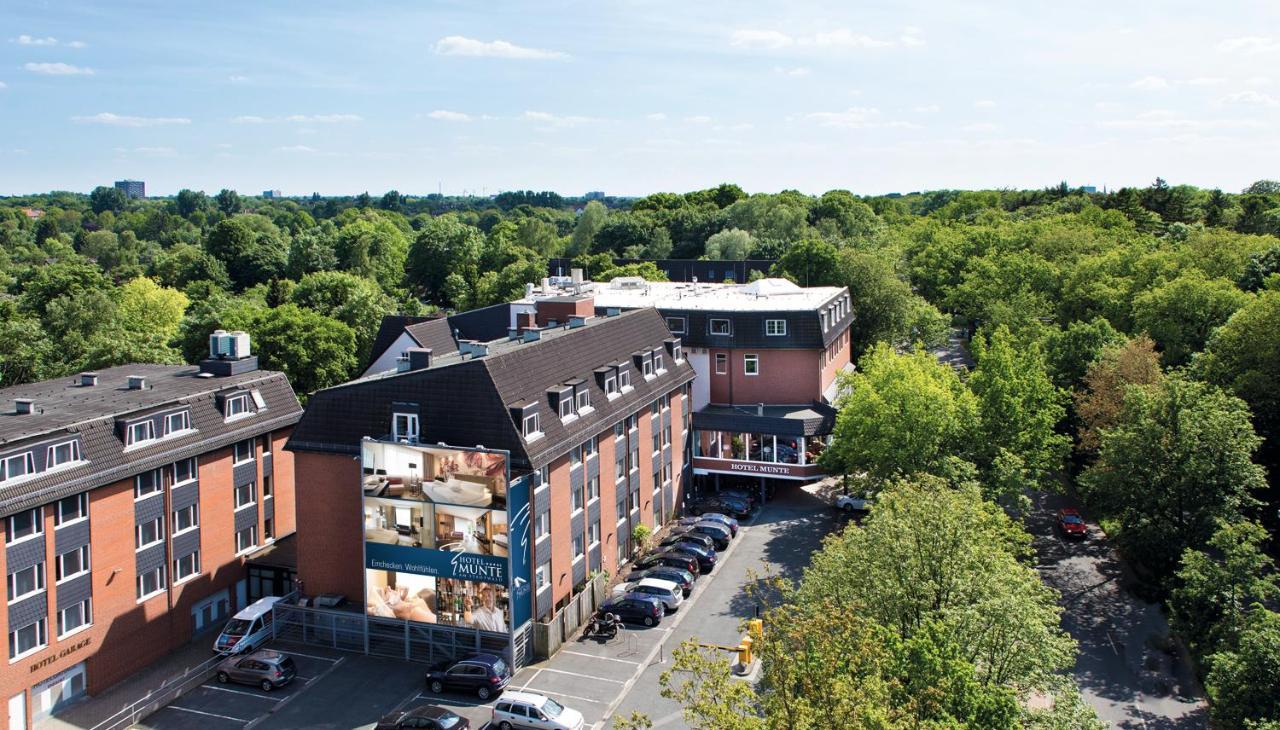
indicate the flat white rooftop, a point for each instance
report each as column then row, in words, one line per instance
column 764, row 295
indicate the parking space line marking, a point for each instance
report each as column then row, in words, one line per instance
column 584, row 676
column 206, row 714
column 535, row 676
column 562, row 694
column 236, row 691
column 280, row 705
column 593, row 656
column 310, row 656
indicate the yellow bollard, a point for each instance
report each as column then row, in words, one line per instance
column 744, row 651
column 755, row 628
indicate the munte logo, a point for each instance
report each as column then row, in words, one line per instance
column 475, row 566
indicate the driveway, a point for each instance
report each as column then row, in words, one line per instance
column 1126, row 668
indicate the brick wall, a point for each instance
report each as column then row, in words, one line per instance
column 329, row 509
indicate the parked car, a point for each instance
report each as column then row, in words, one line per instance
column 264, row 668
column 706, row 557
column 716, row 503
column 664, row 590
column 1072, row 524
column 715, row 531
column 485, row 675
column 531, row 710
column 682, row 578
column 429, row 717
column 857, row 502
column 634, row 609
column 680, row 534
column 683, row 561
column 751, row 497
column 723, row 519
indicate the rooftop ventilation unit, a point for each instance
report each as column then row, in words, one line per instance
column 88, row 380
column 531, row 335
column 24, row 406
column 575, row 322
column 137, row 382
column 612, row 311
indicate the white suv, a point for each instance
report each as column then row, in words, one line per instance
column 529, row 710
column 669, row 592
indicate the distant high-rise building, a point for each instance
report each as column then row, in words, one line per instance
column 272, row 194
column 133, row 189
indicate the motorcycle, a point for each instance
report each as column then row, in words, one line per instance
column 603, row 627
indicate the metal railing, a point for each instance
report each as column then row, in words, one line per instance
column 156, row 699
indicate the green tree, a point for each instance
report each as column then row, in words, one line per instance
column 313, row 350
column 189, row 202
column 900, row 414
column 228, row 201
column 184, row 263
column 30, row 354
column 1178, row 461
column 250, row 247
column 444, row 246
column 1243, row 356
column 589, row 224
column 811, row 263
column 646, row 270
column 145, row 307
column 353, row 300
column 733, row 244
column 1242, row 682
column 1219, row 585
column 838, row 214
column 374, row 249
column 1100, row 399
column 1070, row 352
column 1182, row 314
column 312, row 250
column 1260, row 266
column 885, row 308
column 104, row 199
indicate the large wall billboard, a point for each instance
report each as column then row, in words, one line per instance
column 437, row 538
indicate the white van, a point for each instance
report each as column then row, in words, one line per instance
column 248, row 630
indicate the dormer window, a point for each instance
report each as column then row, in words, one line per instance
column 566, row 406
column 404, row 426
column 673, row 349
column 177, row 422
column 236, row 406
column 584, row 399
column 657, row 363
column 611, row 385
column 532, row 426
column 719, row 327
column 775, row 327
column 624, row 379
column 676, row 325
column 18, row 465
column 140, row 432
column 67, row 452
column 647, row 365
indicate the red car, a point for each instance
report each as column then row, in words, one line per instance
column 1071, row 523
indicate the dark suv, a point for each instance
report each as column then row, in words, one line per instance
column 680, row 577
column 425, row 717
column 725, row 520
column 705, row 556
column 683, row 561
column 680, row 535
column 634, row 609
column 485, row 675
column 715, row 532
column 264, row 668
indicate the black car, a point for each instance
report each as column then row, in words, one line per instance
column 715, row 532
column 719, row 504
column 429, row 717
column 725, row 520
column 752, row 497
column 682, row 578
column 706, row 557
column 485, row 675
column 680, row 535
column 634, row 609
column 683, row 561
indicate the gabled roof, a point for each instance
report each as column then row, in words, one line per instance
column 440, row 333
column 393, row 325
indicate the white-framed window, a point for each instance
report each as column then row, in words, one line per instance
column 246, row 495
column 236, row 406
column 666, row 435
column 579, row 547
column 542, row 527
column 71, row 509
column 147, row 484
column 177, row 422
column 75, row 618
column 647, row 364
column 589, row 448
column 141, row 432
column 665, row 401
column 575, row 457
column 242, row 451
column 187, row 566
column 593, row 489
column 149, row 533
column 635, row 456
column 620, row 468
column 544, row 477
column 247, row 539
column 566, row 405
column 722, row 363
column 624, row 379
column 676, row 325
column 593, row 533
column 610, row 385
column 72, row 563
column 578, row 497
column 185, row 471
column 677, row 353
column 67, row 452
column 635, row 501
column 532, row 425
column 28, row 639
column 26, row 582
column 16, row 466
column 719, row 327
column 150, row 583
column 404, row 426
column 657, row 363
column 751, row 364
column 621, row 508
column 24, row 525
column 633, row 422
column 543, row 576
column 187, row 518
column 775, row 327
column 619, row 430
column 584, row 399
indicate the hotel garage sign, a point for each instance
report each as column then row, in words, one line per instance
column 780, row 471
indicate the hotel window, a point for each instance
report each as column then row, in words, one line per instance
column 147, row 483
column 544, row 477
column 722, row 363
column 26, row 582
column 635, row 458
column 657, row 480
column 676, row 352
column 243, row 451
column 635, row 501
column 184, row 471
column 775, row 327
column 565, row 400
column 543, row 527
column 751, row 364
column 187, row 566
column 647, row 363
column 620, row 469
column 25, row 525
column 619, row 429
column 543, row 576
column 624, row 379
column 268, row 529
column 656, row 445
column 75, row 617
column 187, row 518
column 71, row 563
column 71, row 509
column 236, row 406
column 676, row 325
column 584, row 399
column 610, row 385
column 589, row 448
column 622, row 508
column 593, row 533
column 633, row 421
column 67, row 452
column 149, row 533
column 177, row 422
column 657, row 364
column 532, row 426
column 245, row 495
column 247, row 538
column 666, row 436
column 575, row 457
column 18, row 465
column 578, row 498
column 150, row 583
column 404, row 426
column 593, row 489
column 29, row 638
column 266, row 486
column 665, row 402
column 719, row 327
column 141, row 432
column 577, row 547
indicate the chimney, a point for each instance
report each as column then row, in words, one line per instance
column 526, row 320
column 528, row 290
column 88, row 380
column 546, row 286
column 576, row 322
column 24, row 406
column 419, row 358
column 575, row 276
column 137, row 382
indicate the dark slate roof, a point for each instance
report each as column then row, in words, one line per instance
column 816, row 419
column 65, row 408
column 281, row 553
column 436, row 335
column 483, row 324
column 465, row 401
column 389, row 331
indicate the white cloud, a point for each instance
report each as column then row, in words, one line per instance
column 26, row 40
column 1257, row 81
column 1249, row 44
column 928, row 109
column 456, row 45
column 852, row 118
column 797, row 72
column 555, row 120
column 761, row 39
column 656, row 117
column 837, row 38
column 1250, row 98
column 297, row 148
column 58, row 69
column 698, row 119
column 1150, row 83
column 223, row 145
column 77, row 44
column 448, row 116
column 1166, row 119
column 739, row 127
column 845, row 38
column 1205, row 81
column 324, row 118
column 248, row 119
column 121, row 120
column 984, row 104
column 910, row 37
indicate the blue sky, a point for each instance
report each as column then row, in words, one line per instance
column 632, row 97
